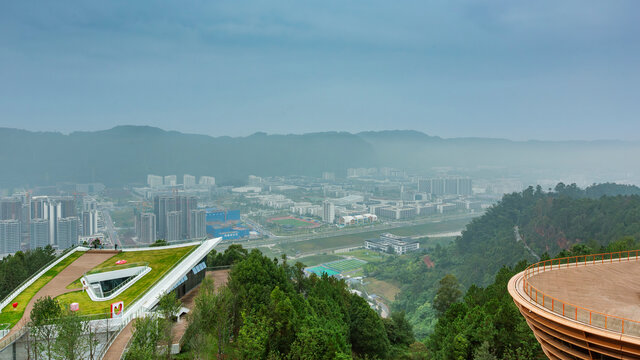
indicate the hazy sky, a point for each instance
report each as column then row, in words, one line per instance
column 543, row 69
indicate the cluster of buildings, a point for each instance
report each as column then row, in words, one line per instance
column 383, row 171
column 174, row 217
column 390, row 243
column 347, row 220
column 33, row 222
column 157, row 181
column 446, row 186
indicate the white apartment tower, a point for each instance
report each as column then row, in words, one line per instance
column 328, row 212
column 188, row 180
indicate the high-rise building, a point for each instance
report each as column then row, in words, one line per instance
column 329, row 176
column 328, row 212
column 170, row 180
column 451, row 186
column 89, row 222
column 186, row 203
column 465, row 187
column 163, row 204
column 154, row 181
column 38, row 204
column 89, row 204
column 424, row 186
column 146, row 228
column 67, row 232
column 207, row 180
column 173, row 225
column 53, row 212
column 39, row 233
column 198, row 228
column 10, row 236
column 188, row 180
column 437, row 187
column 68, row 206
column 11, row 209
column 448, row 186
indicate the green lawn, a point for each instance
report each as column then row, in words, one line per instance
column 11, row 316
column 160, row 261
column 346, row 265
column 318, row 259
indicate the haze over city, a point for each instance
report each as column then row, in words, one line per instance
column 500, row 69
column 290, row 180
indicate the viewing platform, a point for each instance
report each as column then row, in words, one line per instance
column 584, row 307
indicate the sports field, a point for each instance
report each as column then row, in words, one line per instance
column 337, row 267
column 345, row 265
column 318, row 270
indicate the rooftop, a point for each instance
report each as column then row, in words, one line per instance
column 610, row 288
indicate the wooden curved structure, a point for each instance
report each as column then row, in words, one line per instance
column 585, row 307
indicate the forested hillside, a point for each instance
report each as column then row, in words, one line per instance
column 126, row 154
column 14, row 269
column 271, row 310
column 548, row 222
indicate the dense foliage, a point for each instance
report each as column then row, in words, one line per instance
column 14, row 269
column 547, row 222
column 231, row 255
column 271, row 310
column 488, row 325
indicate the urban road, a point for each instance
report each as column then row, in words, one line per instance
column 111, row 230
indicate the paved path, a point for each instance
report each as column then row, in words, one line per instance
column 58, row 285
column 116, row 349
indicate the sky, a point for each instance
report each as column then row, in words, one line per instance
column 543, row 69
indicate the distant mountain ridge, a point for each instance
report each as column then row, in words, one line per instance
column 126, row 154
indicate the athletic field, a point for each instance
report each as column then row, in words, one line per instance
column 336, row 267
column 318, row 270
column 345, row 265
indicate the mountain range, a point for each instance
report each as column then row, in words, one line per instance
column 126, row 154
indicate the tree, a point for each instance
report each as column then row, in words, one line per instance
column 168, row 307
column 223, row 317
column 448, row 293
column 367, row 333
column 145, row 338
column 92, row 340
column 253, row 336
column 160, row 242
column 483, row 352
column 43, row 315
column 399, row 331
column 70, row 343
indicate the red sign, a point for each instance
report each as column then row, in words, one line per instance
column 117, row 308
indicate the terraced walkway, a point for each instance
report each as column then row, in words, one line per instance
column 116, row 350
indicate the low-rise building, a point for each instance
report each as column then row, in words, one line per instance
column 390, row 243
